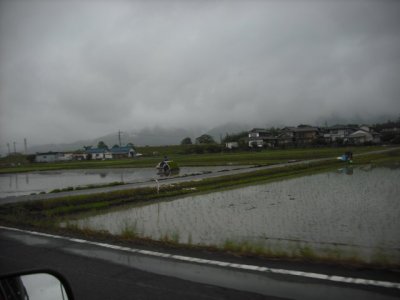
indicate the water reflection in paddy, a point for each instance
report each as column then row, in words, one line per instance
column 36, row 182
column 348, row 214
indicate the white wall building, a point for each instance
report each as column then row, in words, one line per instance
column 48, row 157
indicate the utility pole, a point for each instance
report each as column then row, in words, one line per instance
column 8, row 145
column 220, row 142
column 119, row 137
column 25, row 146
column 15, row 148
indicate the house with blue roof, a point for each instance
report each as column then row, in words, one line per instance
column 98, row 153
column 123, row 152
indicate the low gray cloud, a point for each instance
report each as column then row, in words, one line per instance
column 79, row 69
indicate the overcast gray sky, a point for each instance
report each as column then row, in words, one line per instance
column 71, row 70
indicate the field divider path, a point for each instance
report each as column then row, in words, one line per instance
column 158, row 182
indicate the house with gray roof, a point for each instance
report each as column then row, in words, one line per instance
column 298, row 136
column 338, row 133
column 259, row 138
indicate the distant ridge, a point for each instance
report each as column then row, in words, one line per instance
column 158, row 136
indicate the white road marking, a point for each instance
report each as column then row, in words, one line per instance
column 334, row 278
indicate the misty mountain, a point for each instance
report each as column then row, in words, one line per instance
column 158, row 136
column 334, row 119
column 155, row 136
column 229, row 128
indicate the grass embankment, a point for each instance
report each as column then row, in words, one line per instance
column 47, row 214
column 151, row 158
column 85, row 187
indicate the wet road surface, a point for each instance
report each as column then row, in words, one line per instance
column 103, row 271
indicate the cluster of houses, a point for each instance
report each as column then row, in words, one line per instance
column 89, row 153
column 304, row 135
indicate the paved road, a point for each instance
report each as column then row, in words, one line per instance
column 102, row 271
column 169, row 180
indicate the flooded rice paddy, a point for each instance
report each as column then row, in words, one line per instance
column 345, row 214
column 46, row 181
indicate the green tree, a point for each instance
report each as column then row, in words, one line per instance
column 31, row 158
column 235, row 137
column 102, row 145
column 205, row 139
column 274, row 131
column 186, row 141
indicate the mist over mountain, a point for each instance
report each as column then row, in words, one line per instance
column 334, row 119
column 158, row 136
column 229, row 128
column 78, row 70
